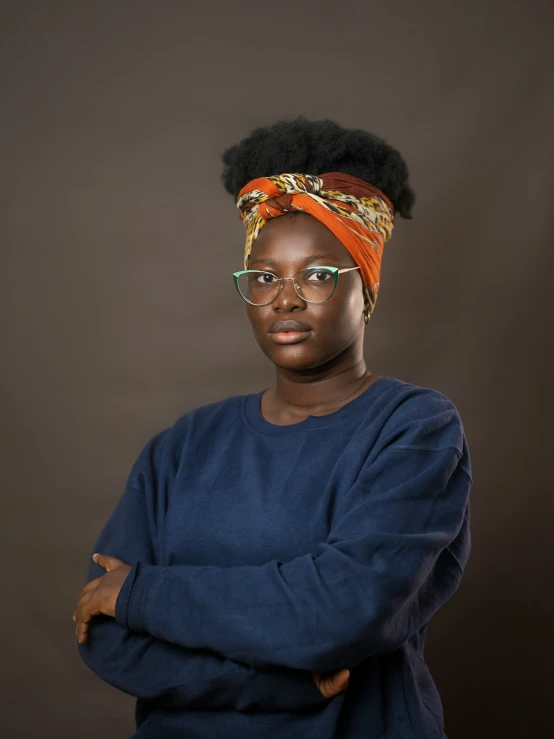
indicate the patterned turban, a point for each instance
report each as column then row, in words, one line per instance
column 358, row 214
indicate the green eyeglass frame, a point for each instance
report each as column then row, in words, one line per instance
column 335, row 270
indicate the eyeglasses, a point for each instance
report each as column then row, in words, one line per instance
column 313, row 284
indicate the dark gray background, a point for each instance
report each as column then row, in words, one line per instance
column 119, row 314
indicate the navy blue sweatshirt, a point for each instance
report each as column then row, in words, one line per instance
column 261, row 553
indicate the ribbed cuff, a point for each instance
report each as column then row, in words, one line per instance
column 132, row 601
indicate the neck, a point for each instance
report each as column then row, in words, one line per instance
column 318, row 392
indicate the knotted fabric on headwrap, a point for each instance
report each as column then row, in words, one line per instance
column 358, row 214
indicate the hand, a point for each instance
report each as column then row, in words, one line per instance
column 333, row 684
column 99, row 595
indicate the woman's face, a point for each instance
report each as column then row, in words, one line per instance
column 336, row 326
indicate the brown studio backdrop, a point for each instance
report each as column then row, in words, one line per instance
column 112, row 217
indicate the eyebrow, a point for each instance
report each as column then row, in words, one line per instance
column 311, row 258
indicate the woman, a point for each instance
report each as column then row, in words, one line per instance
column 269, row 547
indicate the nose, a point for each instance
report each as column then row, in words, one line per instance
column 288, row 297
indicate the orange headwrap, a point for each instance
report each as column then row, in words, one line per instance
column 359, row 215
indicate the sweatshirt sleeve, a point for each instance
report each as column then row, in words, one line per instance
column 171, row 674
column 396, row 551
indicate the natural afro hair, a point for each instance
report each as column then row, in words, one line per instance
column 316, row 147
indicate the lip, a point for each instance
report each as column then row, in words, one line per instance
column 288, row 325
column 289, row 337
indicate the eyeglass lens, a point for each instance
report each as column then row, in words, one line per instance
column 312, row 284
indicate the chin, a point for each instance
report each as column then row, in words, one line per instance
column 293, row 357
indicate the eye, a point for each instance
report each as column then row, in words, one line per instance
column 318, row 275
column 265, row 278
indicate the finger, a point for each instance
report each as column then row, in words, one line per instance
column 337, row 682
column 87, row 607
column 85, row 613
column 81, row 632
column 107, row 562
column 81, row 607
column 90, row 586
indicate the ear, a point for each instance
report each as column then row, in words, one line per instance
column 367, row 298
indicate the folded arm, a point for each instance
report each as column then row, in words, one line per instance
column 395, row 554
column 170, row 674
